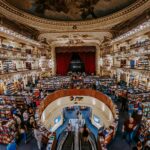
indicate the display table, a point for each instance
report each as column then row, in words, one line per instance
column 52, row 142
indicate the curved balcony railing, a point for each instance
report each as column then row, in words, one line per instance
column 80, row 92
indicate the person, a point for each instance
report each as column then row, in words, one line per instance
column 138, row 146
column 1, row 126
column 31, row 112
column 32, row 122
column 41, row 94
column 128, row 129
column 38, row 137
column 23, row 135
column 36, row 115
column 147, row 145
column 28, row 100
column 123, row 105
column 25, row 119
column 85, row 133
column 78, row 114
column 17, row 119
column 69, row 129
column 80, row 118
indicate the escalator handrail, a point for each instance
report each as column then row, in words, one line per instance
column 64, row 143
column 91, row 140
column 59, row 147
column 92, row 143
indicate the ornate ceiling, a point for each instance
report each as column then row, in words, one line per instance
column 71, row 10
column 76, row 39
column 87, row 15
column 76, row 22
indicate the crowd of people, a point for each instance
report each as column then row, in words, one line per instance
column 26, row 121
column 26, row 117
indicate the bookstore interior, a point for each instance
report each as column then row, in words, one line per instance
column 75, row 75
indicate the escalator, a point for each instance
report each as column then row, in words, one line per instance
column 88, row 145
column 85, row 145
column 69, row 142
column 66, row 141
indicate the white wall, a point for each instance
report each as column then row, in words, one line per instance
column 55, row 109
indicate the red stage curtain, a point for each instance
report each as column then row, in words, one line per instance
column 89, row 61
column 62, row 62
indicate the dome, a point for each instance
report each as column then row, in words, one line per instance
column 71, row 10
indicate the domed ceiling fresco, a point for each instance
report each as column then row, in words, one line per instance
column 71, row 10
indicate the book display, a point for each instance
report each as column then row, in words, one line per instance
column 142, row 84
column 74, row 75
column 55, row 83
column 106, row 81
column 9, row 66
column 136, row 100
column 7, row 131
column 49, row 138
column 145, row 126
column 20, row 101
column 11, row 90
column 133, row 80
column 7, row 103
column 90, row 79
column 105, row 135
column 133, row 55
column 17, row 56
column 143, row 63
column 146, row 110
column 7, row 123
column 5, row 112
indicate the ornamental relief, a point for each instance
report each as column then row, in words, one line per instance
column 100, row 23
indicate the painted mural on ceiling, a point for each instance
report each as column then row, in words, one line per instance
column 71, row 10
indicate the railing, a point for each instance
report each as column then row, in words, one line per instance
column 145, row 68
column 62, row 141
column 80, row 92
column 93, row 141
